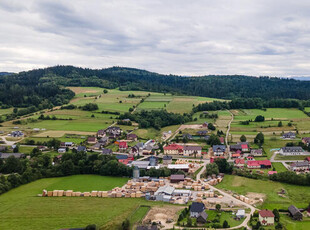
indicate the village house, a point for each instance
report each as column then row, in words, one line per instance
column 300, row 166
column 295, row 213
column 239, row 163
column 122, row 146
column 235, row 148
column 104, row 141
column 132, row 137
column 256, row 152
column 291, row 151
column 236, row 155
column 289, row 136
column 138, row 148
column 91, row 140
column 205, row 124
column 307, row 159
column 187, row 136
column 190, row 150
column 113, row 131
column 17, row 134
column 61, row 150
column 218, row 150
column 125, row 159
column 266, row 217
column 176, row 178
column 66, row 144
column 140, row 164
column 107, row 152
column 240, row 214
column 306, row 140
column 100, row 133
column 167, row 160
column 81, row 148
column 202, row 218
column 183, row 167
column 173, row 149
column 259, row 164
column 222, row 140
column 164, row 193
column 196, row 209
column 202, row 132
column 96, row 146
column 244, row 146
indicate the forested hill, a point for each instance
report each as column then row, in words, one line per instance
column 227, row 87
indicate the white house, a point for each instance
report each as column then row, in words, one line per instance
column 266, row 217
column 61, row 150
column 291, row 151
column 189, row 150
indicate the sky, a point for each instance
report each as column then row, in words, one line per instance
column 257, row 37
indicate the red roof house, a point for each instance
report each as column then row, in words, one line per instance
column 259, row 164
column 239, row 163
column 235, row 155
column 122, row 145
column 173, row 149
column 307, row 159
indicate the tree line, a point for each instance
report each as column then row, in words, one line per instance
column 156, row 118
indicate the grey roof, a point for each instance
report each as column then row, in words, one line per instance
column 165, row 189
column 140, row 164
column 292, row 149
column 81, row 148
column 237, row 146
column 104, row 139
column 192, row 148
column 203, row 215
column 177, row 177
column 217, row 148
column 289, row 134
column 197, row 207
column 257, row 151
column 202, row 132
column 300, row 164
column 293, row 210
column 107, row 151
column 166, row 157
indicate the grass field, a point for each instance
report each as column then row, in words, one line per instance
column 21, row 209
column 279, row 167
column 297, row 195
column 84, row 183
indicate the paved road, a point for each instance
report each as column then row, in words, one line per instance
column 202, row 170
column 236, row 201
column 227, row 134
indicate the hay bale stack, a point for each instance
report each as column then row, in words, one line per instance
column 99, row 194
column 94, row 193
column 242, row 197
column 198, row 199
column 73, row 194
column 60, row 193
column 44, row 193
column 138, row 194
column 86, row 194
column 119, row 194
column 78, row 193
column 207, row 186
column 127, row 195
column 69, row 193
column 199, row 194
column 133, row 195
column 104, row 194
column 55, row 193
column 50, row 193
column 211, row 194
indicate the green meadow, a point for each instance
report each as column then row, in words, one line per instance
column 21, row 208
column 296, row 195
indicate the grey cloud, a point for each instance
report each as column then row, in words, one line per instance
column 257, row 37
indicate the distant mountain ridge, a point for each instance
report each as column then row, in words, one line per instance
column 216, row 86
column 5, row 73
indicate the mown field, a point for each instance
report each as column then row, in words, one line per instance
column 21, row 209
column 296, row 195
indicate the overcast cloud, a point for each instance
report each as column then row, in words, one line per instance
column 257, row 37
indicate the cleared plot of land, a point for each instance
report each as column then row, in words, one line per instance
column 21, row 209
column 297, row 195
column 295, row 225
column 61, row 133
